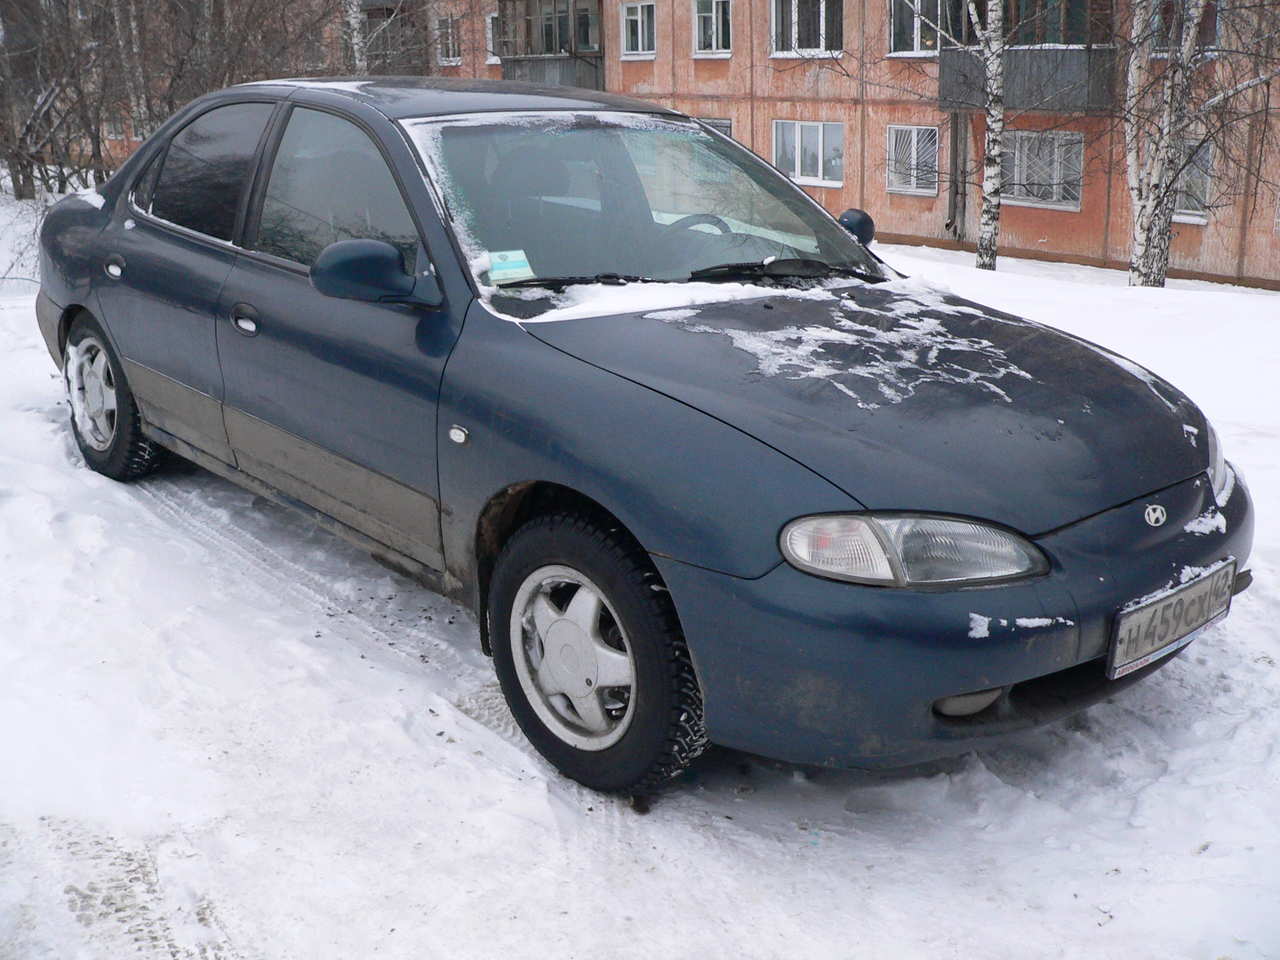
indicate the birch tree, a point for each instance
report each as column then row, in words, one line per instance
column 354, row 34
column 1197, row 83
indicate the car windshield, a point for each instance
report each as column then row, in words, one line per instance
column 623, row 196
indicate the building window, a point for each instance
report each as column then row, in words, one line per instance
column 808, row 27
column 448, row 41
column 809, row 152
column 913, row 26
column 913, row 160
column 1170, row 24
column 711, row 26
column 1034, row 22
column 387, row 36
column 720, row 126
column 1194, row 184
column 638, row 30
column 547, row 27
column 491, row 34
column 1043, row 168
column 114, row 128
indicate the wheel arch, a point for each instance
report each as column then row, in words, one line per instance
column 511, row 508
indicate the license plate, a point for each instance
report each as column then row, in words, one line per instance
column 1157, row 628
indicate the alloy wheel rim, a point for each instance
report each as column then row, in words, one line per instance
column 91, row 387
column 573, row 658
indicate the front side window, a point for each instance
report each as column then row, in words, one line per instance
column 448, row 41
column 565, row 195
column 1194, row 182
column 207, row 167
column 808, row 26
column 1044, row 168
column 809, row 152
column 639, row 33
column 711, row 26
column 913, row 160
column 328, row 183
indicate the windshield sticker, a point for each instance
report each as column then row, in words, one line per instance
column 506, row 266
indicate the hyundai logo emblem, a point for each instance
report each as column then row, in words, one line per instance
column 1155, row 515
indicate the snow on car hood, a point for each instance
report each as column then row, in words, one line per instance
column 909, row 398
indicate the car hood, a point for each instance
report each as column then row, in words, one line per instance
column 909, row 398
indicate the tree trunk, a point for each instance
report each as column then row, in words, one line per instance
column 991, row 43
column 353, row 24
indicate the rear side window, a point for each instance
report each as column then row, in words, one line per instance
column 329, row 183
column 207, row 167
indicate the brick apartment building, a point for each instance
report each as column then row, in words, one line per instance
column 855, row 100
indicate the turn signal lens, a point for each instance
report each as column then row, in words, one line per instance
column 908, row 550
column 835, row 546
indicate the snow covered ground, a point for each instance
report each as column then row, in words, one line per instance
column 225, row 734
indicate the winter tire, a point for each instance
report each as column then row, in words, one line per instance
column 590, row 655
column 104, row 416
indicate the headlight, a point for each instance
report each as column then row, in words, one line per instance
column 1219, row 472
column 906, row 550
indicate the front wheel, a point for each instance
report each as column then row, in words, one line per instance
column 590, row 656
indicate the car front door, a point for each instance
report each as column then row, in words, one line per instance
column 167, row 253
column 334, row 401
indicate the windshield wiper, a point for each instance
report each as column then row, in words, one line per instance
column 788, row 267
column 559, row 283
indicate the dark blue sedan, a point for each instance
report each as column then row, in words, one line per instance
column 705, row 468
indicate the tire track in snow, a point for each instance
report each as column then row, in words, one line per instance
column 184, row 502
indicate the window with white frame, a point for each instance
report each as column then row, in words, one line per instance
column 807, row 27
column 114, row 128
column 809, row 152
column 448, row 41
column 711, row 26
column 491, row 39
column 913, row 160
column 913, row 26
column 639, row 33
column 1043, row 168
column 1194, row 183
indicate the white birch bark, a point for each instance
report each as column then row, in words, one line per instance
column 991, row 46
column 353, row 24
column 1156, row 119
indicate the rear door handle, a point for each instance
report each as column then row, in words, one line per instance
column 245, row 319
column 114, row 267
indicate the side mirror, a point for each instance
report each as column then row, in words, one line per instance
column 370, row 270
column 860, row 224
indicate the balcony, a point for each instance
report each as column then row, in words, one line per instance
column 1051, row 79
column 566, row 70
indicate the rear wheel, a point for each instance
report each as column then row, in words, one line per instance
column 590, row 656
column 104, row 417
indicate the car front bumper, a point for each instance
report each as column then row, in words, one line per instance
column 809, row 670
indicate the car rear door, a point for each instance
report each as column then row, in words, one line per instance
column 334, row 401
column 166, row 255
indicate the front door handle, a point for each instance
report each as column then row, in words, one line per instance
column 114, row 267
column 245, row 319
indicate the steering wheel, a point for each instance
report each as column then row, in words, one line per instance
column 696, row 219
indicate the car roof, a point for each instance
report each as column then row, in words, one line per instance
column 403, row 97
